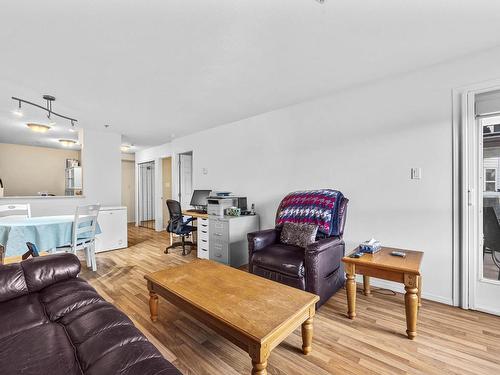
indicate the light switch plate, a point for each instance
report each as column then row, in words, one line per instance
column 416, row 173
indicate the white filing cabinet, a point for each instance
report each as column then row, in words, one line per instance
column 203, row 238
column 228, row 242
column 113, row 224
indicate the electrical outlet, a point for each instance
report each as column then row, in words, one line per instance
column 205, row 171
column 416, row 173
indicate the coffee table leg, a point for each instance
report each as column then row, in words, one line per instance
column 307, row 336
column 366, row 286
column 259, row 368
column 259, row 355
column 419, row 292
column 351, row 290
column 411, row 305
column 153, row 305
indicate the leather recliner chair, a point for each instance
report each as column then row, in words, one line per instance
column 317, row 268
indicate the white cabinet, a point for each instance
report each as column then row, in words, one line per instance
column 203, row 238
column 113, row 224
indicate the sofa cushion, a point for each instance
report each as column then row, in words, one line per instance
column 293, row 281
column 44, row 349
column 282, row 258
column 136, row 358
column 20, row 314
column 64, row 297
column 41, row 272
column 91, row 322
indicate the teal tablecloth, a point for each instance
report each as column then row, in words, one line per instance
column 46, row 233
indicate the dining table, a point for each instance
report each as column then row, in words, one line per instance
column 46, row 233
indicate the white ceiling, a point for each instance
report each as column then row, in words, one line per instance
column 155, row 68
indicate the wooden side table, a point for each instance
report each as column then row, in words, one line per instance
column 383, row 265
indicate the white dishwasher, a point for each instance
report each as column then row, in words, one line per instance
column 113, row 224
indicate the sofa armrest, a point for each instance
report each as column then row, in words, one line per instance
column 323, row 266
column 261, row 239
column 323, row 244
column 12, row 283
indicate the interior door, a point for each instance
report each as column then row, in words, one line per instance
column 166, row 187
column 185, row 179
column 484, row 214
column 146, row 195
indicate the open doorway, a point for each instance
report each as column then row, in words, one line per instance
column 146, row 195
column 166, row 187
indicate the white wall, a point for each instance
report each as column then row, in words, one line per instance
column 363, row 142
column 27, row 170
column 101, row 162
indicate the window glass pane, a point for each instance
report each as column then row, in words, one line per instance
column 490, row 186
column 490, row 175
column 490, row 251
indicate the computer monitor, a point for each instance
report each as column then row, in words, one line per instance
column 199, row 198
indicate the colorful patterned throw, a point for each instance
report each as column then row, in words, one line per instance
column 318, row 207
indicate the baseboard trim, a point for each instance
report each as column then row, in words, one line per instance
column 399, row 288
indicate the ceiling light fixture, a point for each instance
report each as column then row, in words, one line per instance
column 48, row 107
column 124, row 148
column 51, row 120
column 67, row 142
column 38, row 128
column 18, row 111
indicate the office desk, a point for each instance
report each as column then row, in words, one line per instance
column 196, row 215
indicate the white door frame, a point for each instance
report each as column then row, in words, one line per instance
column 465, row 200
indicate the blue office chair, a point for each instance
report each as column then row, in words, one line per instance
column 177, row 225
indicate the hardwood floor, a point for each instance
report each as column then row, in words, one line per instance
column 449, row 341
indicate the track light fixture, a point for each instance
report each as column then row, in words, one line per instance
column 48, row 108
column 67, row 142
column 18, row 110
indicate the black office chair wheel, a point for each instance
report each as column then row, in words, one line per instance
column 183, row 243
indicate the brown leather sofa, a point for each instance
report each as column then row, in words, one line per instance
column 317, row 269
column 52, row 322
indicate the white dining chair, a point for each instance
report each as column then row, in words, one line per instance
column 18, row 210
column 83, row 233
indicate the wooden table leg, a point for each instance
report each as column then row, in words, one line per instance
column 2, row 254
column 419, row 292
column 366, row 286
column 351, row 290
column 259, row 357
column 411, row 305
column 307, row 336
column 259, row 368
column 153, row 306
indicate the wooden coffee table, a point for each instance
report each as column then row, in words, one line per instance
column 254, row 313
column 383, row 265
